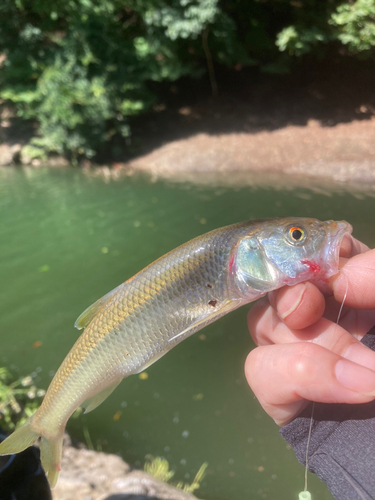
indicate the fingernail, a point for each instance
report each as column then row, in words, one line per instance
column 355, row 377
column 290, row 300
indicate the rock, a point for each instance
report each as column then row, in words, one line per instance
column 144, row 486
column 91, row 475
column 9, row 153
column 56, row 161
column 52, row 161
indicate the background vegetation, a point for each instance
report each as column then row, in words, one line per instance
column 80, row 69
column 19, row 399
column 159, row 468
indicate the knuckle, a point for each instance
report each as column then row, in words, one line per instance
column 302, row 366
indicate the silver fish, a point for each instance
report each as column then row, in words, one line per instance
column 190, row 287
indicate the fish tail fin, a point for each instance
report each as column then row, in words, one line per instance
column 50, row 448
column 50, row 454
column 22, row 438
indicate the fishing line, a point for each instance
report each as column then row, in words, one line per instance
column 343, row 301
column 305, row 494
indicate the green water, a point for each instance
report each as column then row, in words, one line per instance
column 66, row 239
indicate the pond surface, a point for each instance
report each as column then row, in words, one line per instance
column 67, row 239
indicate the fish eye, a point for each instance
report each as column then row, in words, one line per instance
column 296, row 234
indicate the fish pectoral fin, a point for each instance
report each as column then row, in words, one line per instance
column 150, row 362
column 88, row 314
column 91, row 403
column 225, row 307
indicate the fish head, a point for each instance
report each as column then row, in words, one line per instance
column 286, row 251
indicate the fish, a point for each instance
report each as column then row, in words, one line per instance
column 188, row 288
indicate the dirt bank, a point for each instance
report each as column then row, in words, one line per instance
column 343, row 155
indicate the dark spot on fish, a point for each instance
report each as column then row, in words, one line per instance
column 213, row 303
column 208, row 285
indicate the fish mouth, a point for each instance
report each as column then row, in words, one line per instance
column 336, row 233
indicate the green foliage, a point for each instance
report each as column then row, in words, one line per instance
column 182, row 18
column 357, row 25
column 85, row 67
column 81, row 69
column 19, row 399
column 159, row 468
column 298, row 42
column 200, row 475
column 352, row 24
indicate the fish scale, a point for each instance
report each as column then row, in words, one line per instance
column 180, row 293
column 147, row 319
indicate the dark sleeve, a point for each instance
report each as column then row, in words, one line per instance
column 342, row 444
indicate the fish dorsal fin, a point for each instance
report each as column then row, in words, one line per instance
column 88, row 314
column 91, row 403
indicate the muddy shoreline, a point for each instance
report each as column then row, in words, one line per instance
column 315, row 129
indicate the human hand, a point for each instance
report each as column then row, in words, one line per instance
column 303, row 355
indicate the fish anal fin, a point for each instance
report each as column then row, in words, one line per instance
column 88, row 314
column 93, row 402
column 225, row 307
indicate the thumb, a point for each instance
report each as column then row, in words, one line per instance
column 356, row 279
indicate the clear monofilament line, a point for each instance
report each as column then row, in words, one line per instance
column 343, row 302
column 308, row 445
column 305, row 494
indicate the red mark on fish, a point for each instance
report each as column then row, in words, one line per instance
column 313, row 266
column 231, row 262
